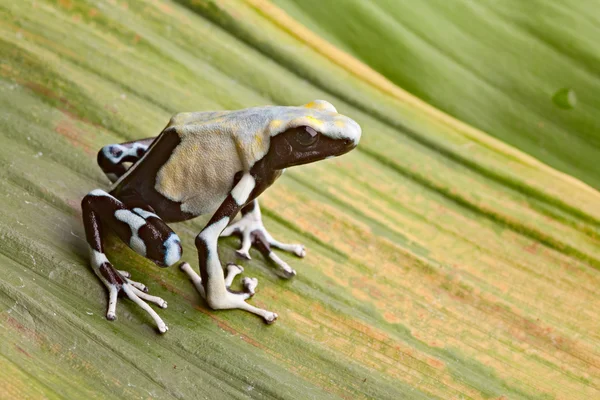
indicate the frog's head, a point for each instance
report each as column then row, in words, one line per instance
column 312, row 132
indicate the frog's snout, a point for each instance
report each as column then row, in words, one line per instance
column 347, row 144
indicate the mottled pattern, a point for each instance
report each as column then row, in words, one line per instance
column 116, row 152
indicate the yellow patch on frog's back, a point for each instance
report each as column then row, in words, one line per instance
column 321, row 105
column 315, row 121
column 258, row 139
column 276, row 123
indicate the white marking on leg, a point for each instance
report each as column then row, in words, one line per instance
column 172, row 249
column 230, row 230
column 135, row 222
column 217, row 295
column 137, row 244
column 252, row 222
column 194, row 277
column 216, row 292
column 125, row 151
column 99, row 192
column 144, row 214
column 242, row 190
column 97, row 258
column 210, row 236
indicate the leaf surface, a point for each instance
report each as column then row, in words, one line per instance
column 442, row 262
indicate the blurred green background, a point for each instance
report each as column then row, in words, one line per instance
column 493, row 64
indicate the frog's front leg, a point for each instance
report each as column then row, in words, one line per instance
column 145, row 233
column 211, row 283
column 252, row 231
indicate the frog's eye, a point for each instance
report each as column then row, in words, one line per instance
column 306, row 136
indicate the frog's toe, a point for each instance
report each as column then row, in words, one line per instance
column 286, row 273
column 124, row 273
column 250, row 285
column 284, row 270
column 234, row 269
column 138, row 285
column 270, row 317
column 138, row 297
column 147, row 297
column 111, row 313
column 243, row 254
column 299, row 250
column 136, row 292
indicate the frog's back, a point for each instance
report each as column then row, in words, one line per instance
column 200, row 171
column 252, row 128
column 198, row 154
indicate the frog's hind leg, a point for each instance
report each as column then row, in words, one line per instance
column 145, row 233
column 252, row 231
column 112, row 157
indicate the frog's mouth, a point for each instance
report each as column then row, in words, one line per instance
column 324, row 148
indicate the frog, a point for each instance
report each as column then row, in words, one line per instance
column 206, row 162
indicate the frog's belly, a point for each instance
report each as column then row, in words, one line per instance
column 199, row 174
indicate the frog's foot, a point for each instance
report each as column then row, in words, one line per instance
column 250, row 285
column 228, row 299
column 253, row 232
column 119, row 283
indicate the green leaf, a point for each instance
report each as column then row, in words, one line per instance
column 493, row 64
column 442, row 262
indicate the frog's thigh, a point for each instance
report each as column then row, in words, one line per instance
column 111, row 157
column 142, row 230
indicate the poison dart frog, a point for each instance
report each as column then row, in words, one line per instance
column 217, row 163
